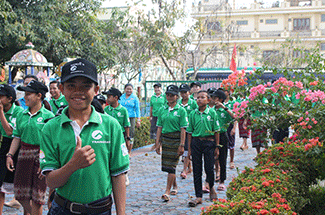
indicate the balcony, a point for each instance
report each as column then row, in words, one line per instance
column 246, row 34
column 270, row 33
column 300, row 33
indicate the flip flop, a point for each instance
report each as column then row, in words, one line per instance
column 183, row 175
column 221, row 187
column 232, row 165
column 165, row 198
column 205, row 190
column 194, row 203
column 173, row 192
column 217, row 178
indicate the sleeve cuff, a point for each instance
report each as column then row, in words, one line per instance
column 47, row 170
column 121, row 172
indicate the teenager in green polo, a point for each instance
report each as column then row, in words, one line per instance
column 156, row 102
column 195, row 88
column 8, row 117
column 87, row 158
column 171, row 123
column 203, row 140
column 120, row 113
column 225, row 116
column 30, row 186
column 189, row 105
column 58, row 100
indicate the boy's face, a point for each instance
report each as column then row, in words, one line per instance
column 202, row 99
column 158, row 90
column 111, row 99
column 32, row 99
column 54, row 90
column 195, row 89
column 79, row 92
column 215, row 99
column 171, row 97
column 5, row 100
column 185, row 95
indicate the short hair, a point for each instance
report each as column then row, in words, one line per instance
column 204, row 91
column 55, row 82
column 128, row 84
column 30, row 76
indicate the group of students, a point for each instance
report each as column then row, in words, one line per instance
column 195, row 125
column 81, row 154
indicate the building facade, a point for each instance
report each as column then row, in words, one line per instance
column 281, row 29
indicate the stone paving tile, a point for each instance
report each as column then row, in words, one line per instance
column 148, row 182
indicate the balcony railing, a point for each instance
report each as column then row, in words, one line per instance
column 270, row 33
column 300, row 33
column 246, row 34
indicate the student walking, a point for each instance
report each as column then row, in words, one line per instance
column 225, row 116
column 203, row 140
column 57, row 100
column 87, row 159
column 156, row 102
column 171, row 123
column 189, row 105
column 29, row 185
column 8, row 117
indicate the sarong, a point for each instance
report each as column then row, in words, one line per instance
column 243, row 133
column 153, row 127
column 258, row 137
column 231, row 138
column 27, row 184
column 170, row 143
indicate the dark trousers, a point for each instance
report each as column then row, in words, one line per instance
column 279, row 134
column 223, row 151
column 205, row 148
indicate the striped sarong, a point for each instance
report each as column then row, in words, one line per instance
column 258, row 137
column 243, row 133
column 169, row 159
column 27, row 185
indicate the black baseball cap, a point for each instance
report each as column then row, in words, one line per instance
column 211, row 90
column 7, row 90
column 195, row 83
column 184, row 88
column 172, row 89
column 113, row 91
column 219, row 94
column 157, row 85
column 100, row 98
column 34, row 87
column 79, row 68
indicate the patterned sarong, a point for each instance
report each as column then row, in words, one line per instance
column 258, row 137
column 243, row 133
column 27, row 184
column 170, row 143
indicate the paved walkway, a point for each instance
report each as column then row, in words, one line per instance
column 148, row 182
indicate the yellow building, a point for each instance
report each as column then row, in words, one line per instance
column 259, row 30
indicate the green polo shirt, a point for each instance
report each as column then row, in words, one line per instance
column 202, row 124
column 29, row 126
column 172, row 119
column 223, row 118
column 120, row 113
column 11, row 116
column 156, row 102
column 57, row 103
column 103, row 133
column 191, row 105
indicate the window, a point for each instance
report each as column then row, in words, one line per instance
column 242, row 22
column 323, row 18
column 261, row 20
column 322, row 46
column 300, row 53
column 269, row 54
column 214, row 26
column 271, row 21
column 301, row 24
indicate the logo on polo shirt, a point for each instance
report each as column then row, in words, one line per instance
column 61, row 103
column 124, row 149
column 97, row 134
column 209, row 118
column 40, row 119
column 42, row 157
column 119, row 114
column 175, row 113
column 222, row 115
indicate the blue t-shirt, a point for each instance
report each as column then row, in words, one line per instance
column 132, row 104
column 22, row 103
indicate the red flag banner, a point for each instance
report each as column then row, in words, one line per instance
column 233, row 64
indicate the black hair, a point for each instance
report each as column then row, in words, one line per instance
column 55, row 82
column 204, row 91
column 30, row 76
column 128, row 84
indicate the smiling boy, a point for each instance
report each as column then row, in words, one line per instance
column 87, row 158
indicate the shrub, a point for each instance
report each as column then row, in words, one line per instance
column 142, row 134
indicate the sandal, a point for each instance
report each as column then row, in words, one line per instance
column 173, row 192
column 165, row 198
column 183, row 175
column 217, row 178
column 221, row 187
column 232, row 165
column 194, row 202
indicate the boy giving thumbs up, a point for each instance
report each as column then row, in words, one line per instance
column 84, row 153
